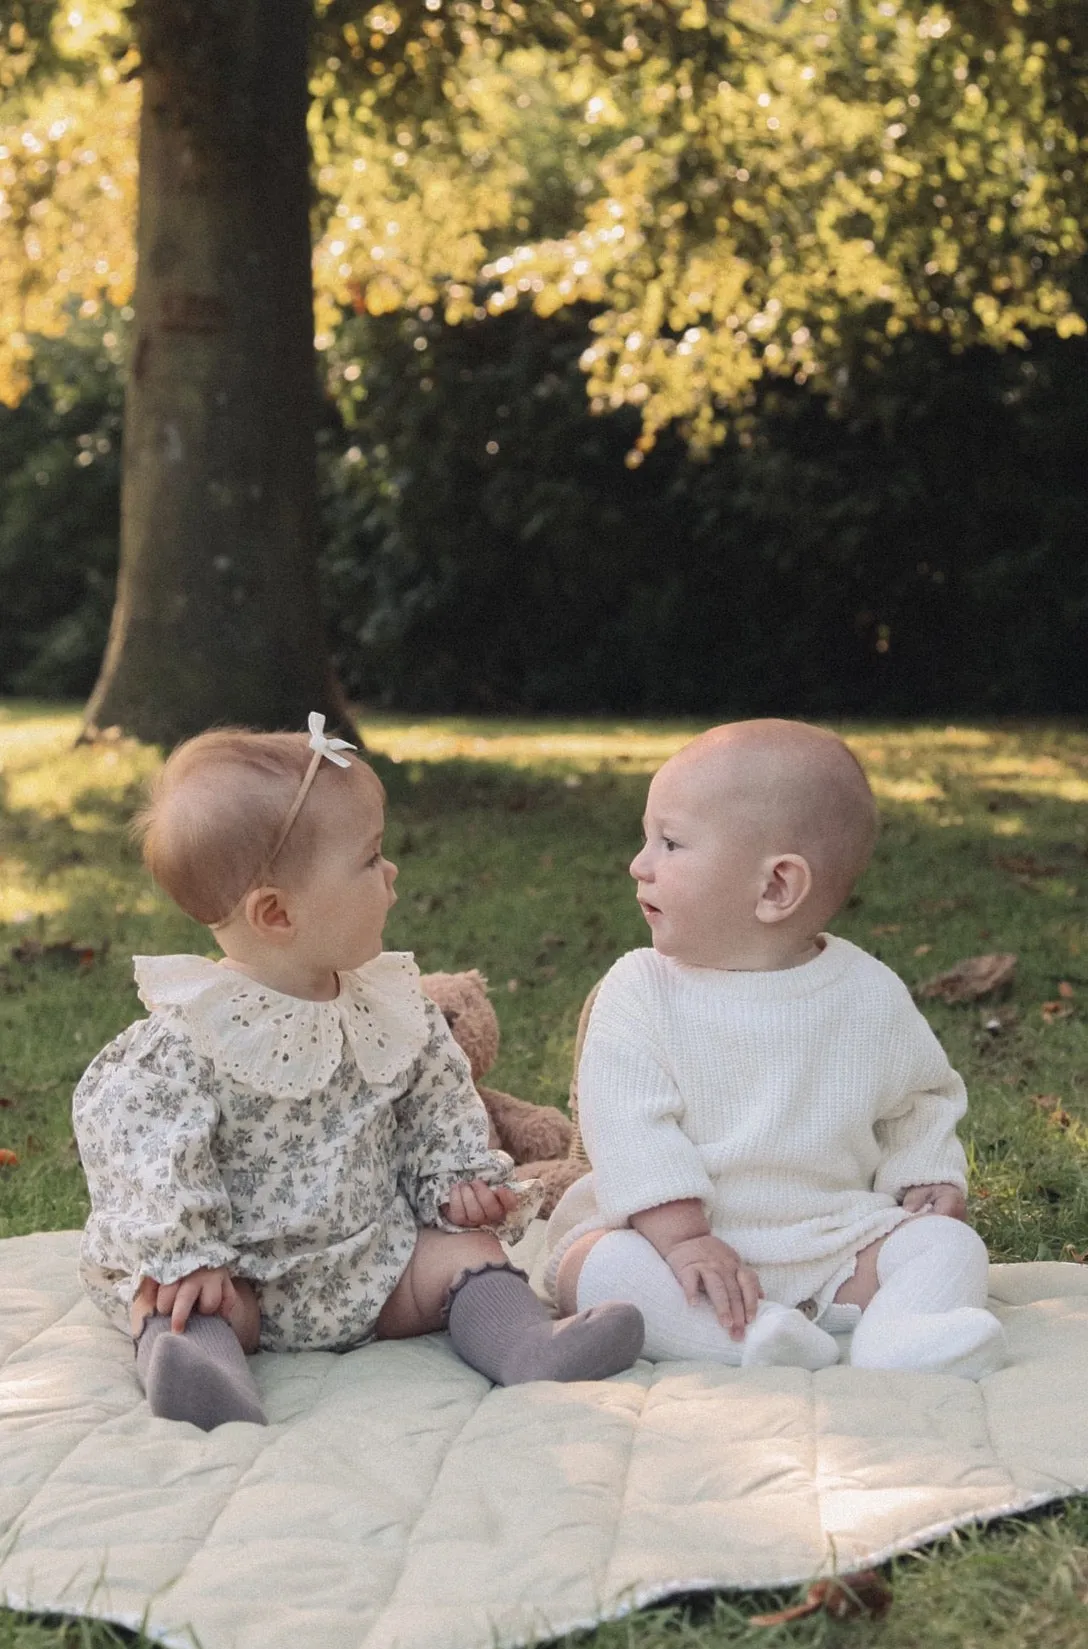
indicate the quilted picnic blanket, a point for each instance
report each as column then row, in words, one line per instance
column 398, row 1501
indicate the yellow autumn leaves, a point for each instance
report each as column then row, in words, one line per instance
column 739, row 190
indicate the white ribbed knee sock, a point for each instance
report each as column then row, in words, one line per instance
column 625, row 1266
column 929, row 1312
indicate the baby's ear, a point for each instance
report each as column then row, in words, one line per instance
column 787, row 884
column 267, row 914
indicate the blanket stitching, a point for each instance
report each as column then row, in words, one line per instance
column 641, row 1598
column 92, row 1427
column 827, row 1538
column 911, row 1541
column 984, row 1394
column 606, row 1570
column 75, row 1300
column 261, row 1445
column 411, row 1528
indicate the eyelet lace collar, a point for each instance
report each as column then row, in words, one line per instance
column 285, row 1046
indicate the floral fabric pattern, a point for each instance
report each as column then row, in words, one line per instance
column 316, row 1199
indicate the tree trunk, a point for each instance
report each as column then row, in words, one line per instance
column 217, row 616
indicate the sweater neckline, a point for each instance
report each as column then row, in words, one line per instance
column 771, row 984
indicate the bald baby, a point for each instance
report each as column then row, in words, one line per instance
column 800, row 786
column 755, row 833
column 771, row 1123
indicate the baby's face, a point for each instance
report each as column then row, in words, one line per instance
column 342, row 905
column 700, row 873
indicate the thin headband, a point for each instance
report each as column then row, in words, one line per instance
column 322, row 748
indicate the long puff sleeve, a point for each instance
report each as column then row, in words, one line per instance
column 442, row 1136
column 917, row 1132
column 144, row 1114
column 630, row 1111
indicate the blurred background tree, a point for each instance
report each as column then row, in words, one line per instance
column 673, row 357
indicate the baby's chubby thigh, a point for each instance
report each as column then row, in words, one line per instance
column 570, row 1269
column 929, row 1231
column 859, row 1288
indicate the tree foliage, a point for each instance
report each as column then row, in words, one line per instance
column 747, row 190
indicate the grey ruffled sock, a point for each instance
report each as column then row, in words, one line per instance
column 200, row 1376
column 498, row 1326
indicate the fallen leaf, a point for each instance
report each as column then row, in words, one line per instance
column 1052, row 1011
column 1066, row 990
column 886, row 927
column 974, row 977
column 1025, row 864
column 866, row 1593
column 1071, row 1253
column 922, row 950
column 1052, row 1108
column 6, row 1104
column 8, row 1159
column 512, row 985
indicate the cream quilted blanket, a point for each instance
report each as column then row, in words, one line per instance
column 397, row 1501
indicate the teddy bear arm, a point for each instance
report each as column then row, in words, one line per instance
column 527, row 1131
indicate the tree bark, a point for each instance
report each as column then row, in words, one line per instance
column 217, row 616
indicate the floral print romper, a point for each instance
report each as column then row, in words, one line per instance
column 301, row 1144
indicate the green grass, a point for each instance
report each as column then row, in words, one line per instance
column 513, row 841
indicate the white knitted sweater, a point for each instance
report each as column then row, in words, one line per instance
column 798, row 1105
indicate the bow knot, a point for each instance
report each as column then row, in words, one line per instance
column 324, row 746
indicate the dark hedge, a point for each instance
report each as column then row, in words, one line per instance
column 915, row 547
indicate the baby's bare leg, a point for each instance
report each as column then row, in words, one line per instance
column 570, row 1269
column 496, row 1322
column 860, row 1288
column 418, row 1303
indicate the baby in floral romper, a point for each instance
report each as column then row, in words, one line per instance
column 288, row 1153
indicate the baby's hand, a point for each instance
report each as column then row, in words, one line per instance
column 210, row 1291
column 706, row 1265
column 473, row 1203
column 936, row 1199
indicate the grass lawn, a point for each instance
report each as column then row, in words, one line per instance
column 513, row 840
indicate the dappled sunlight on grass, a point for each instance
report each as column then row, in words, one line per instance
column 905, row 790
column 513, row 840
column 22, row 899
column 576, row 746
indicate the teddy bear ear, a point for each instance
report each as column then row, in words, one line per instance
column 477, row 978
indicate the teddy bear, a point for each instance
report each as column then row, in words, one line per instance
column 538, row 1137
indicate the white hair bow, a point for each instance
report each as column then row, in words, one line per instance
column 327, row 747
